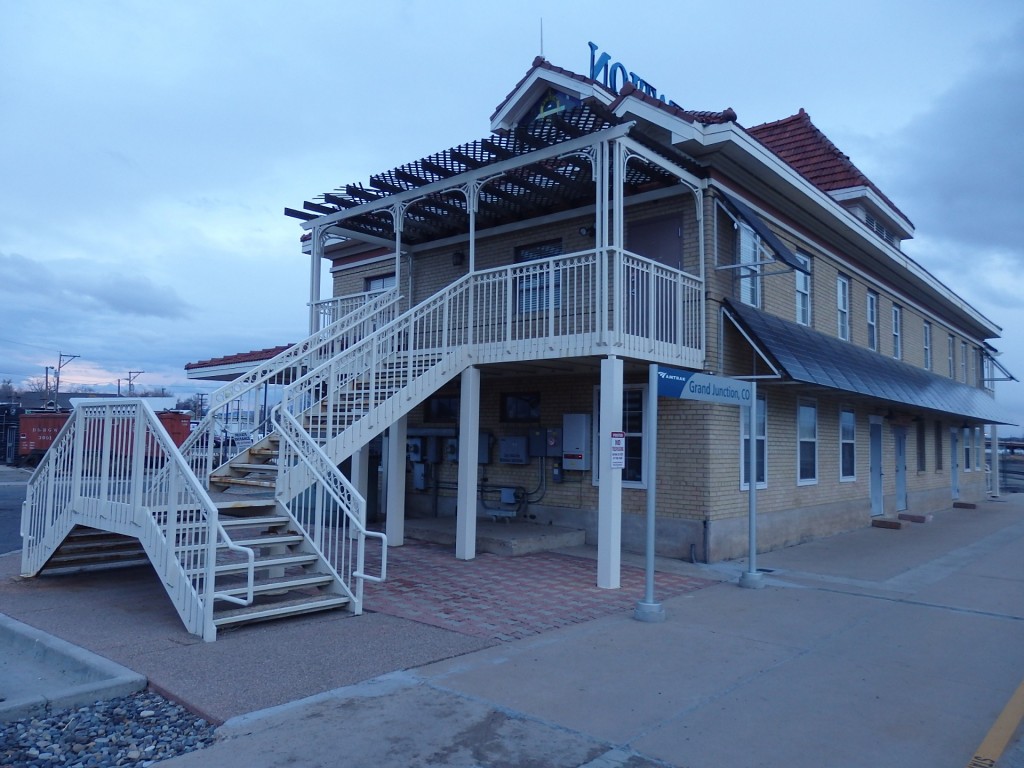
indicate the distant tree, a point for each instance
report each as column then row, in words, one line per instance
column 194, row 404
column 7, row 391
column 81, row 389
column 36, row 384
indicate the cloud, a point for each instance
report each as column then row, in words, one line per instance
column 71, row 287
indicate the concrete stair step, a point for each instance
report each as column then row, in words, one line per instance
column 268, row 540
column 243, row 481
column 253, row 467
column 887, row 522
column 287, row 583
column 246, row 506
column 964, row 505
column 911, row 517
column 279, row 609
column 263, row 562
column 269, row 521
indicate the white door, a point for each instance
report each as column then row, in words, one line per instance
column 875, row 450
column 954, row 461
column 899, row 435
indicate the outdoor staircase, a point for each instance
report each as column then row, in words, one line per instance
column 90, row 549
column 255, row 467
column 290, row 576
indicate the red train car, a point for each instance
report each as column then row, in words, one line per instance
column 37, row 431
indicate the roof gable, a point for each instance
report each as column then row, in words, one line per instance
column 802, row 146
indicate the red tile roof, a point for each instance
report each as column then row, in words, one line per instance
column 802, row 146
column 629, row 90
column 256, row 356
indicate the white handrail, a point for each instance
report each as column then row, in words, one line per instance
column 114, row 467
column 236, row 412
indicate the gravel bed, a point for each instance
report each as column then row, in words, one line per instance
column 136, row 730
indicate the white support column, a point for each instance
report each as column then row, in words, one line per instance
column 395, row 526
column 469, row 452
column 994, row 463
column 361, row 476
column 316, row 258
column 609, row 499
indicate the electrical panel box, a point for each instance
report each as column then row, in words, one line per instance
column 414, row 449
column 576, row 448
column 419, row 476
column 553, row 442
column 512, row 450
column 484, row 451
column 432, row 449
column 536, row 442
column 451, row 449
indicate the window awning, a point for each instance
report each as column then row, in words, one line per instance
column 741, row 210
column 802, row 354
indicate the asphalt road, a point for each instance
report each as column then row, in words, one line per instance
column 12, row 493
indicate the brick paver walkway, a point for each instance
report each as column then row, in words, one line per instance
column 506, row 598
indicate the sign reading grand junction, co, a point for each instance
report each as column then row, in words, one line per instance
column 692, row 385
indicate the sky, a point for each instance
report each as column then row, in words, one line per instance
column 147, row 150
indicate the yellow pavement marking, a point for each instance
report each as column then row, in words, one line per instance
column 1001, row 732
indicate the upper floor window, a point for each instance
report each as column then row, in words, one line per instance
column 750, row 277
column 803, row 290
column 951, row 355
column 807, row 442
column 760, row 444
column 897, row 332
column 379, row 283
column 843, row 307
column 927, row 345
column 963, row 361
column 872, row 312
column 537, row 286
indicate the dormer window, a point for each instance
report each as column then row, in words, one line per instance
column 881, row 230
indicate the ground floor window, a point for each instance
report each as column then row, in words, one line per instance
column 760, row 441
column 847, row 444
column 807, row 442
column 939, row 446
column 979, row 460
column 921, row 456
column 634, row 423
column 967, row 449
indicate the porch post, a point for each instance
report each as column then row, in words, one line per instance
column 316, row 257
column 469, row 450
column 361, row 478
column 395, row 525
column 609, row 499
column 994, row 463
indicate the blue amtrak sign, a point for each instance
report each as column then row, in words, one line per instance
column 691, row 385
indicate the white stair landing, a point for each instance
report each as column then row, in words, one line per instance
column 510, row 538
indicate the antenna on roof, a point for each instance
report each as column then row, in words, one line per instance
column 542, row 37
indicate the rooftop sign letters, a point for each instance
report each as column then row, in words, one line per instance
column 614, row 75
column 691, row 385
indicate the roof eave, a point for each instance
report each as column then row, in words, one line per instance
column 732, row 138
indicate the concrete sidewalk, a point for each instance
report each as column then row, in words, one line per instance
column 878, row 647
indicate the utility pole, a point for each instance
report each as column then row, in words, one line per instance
column 132, row 375
column 62, row 360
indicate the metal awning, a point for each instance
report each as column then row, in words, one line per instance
column 802, row 354
column 551, row 183
column 741, row 210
